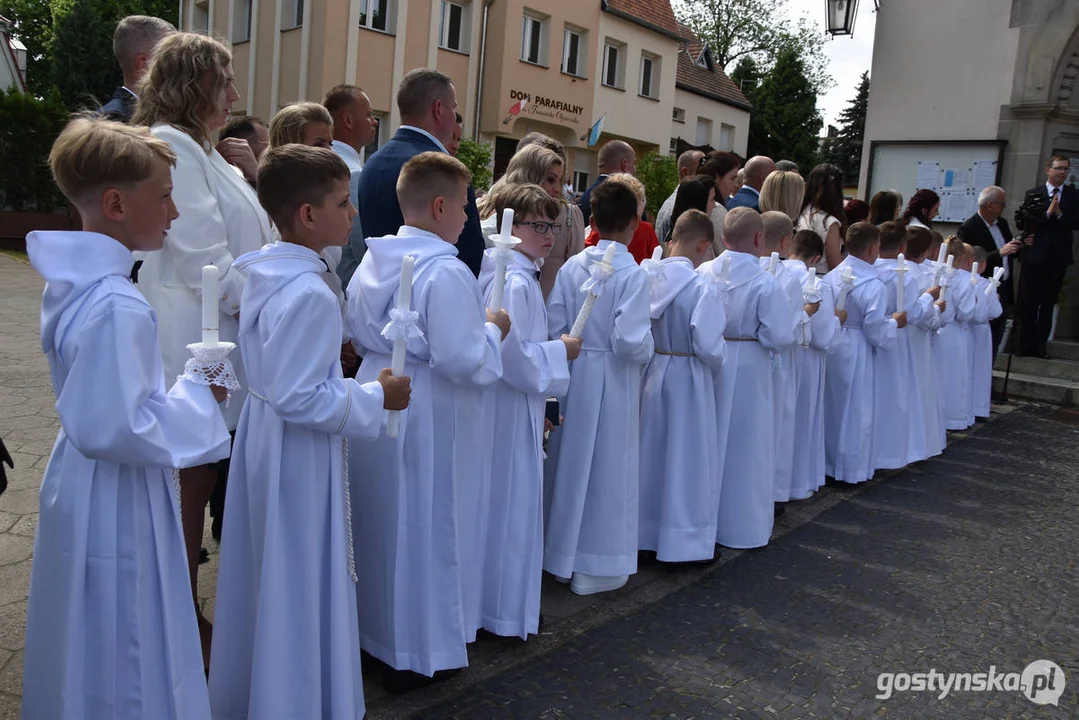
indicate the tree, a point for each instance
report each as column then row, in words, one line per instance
column 785, row 122
column 659, row 175
column 32, row 24
column 845, row 150
column 477, row 158
column 28, row 127
column 758, row 29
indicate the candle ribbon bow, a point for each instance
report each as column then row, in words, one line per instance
column 403, row 325
column 600, row 274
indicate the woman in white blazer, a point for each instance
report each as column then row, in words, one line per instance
column 220, row 219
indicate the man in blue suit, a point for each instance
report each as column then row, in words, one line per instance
column 133, row 44
column 614, row 157
column 749, row 195
column 427, row 102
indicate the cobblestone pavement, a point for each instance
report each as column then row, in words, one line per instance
column 958, row 564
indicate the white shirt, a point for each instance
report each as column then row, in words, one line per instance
column 421, row 131
column 754, row 190
column 998, row 239
column 1051, row 188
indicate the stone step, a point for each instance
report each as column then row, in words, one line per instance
column 1060, row 369
column 1064, row 350
column 1038, row 388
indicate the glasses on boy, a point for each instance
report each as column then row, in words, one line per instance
column 541, row 226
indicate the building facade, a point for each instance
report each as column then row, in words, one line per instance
column 554, row 66
column 976, row 70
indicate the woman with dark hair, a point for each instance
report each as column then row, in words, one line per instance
column 723, row 168
column 921, row 209
column 822, row 212
column 856, row 211
column 694, row 193
column 884, row 207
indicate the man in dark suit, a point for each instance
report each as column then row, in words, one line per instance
column 988, row 230
column 749, row 195
column 1046, row 257
column 427, row 102
column 614, row 157
column 133, row 44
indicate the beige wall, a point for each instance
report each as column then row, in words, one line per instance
column 955, row 86
column 719, row 113
column 455, row 65
column 628, row 114
column 240, row 64
column 374, row 61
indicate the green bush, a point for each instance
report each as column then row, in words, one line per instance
column 28, row 127
column 659, row 174
column 477, row 158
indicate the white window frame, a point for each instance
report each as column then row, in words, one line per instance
column 201, row 17
column 619, row 64
column 367, row 17
column 710, row 127
column 652, row 62
column 291, row 14
column 582, row 51
column 729, row 130
column 447, row 7
column 580, row 181
column 528, row 20
column 679, row 115
column 673, row 149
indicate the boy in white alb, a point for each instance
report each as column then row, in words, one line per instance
column 811, row 342
column 849, row 390
column 590, row 501
column 680, row 463
column 955, row 340
column 533, row 368
column 408, row 515
column 285, row 644
column 758, row 325
column 982, row 351
column 928, row 376
column 778, row 233
column 110, row 627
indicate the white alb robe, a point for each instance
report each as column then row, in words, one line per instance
column 849, row 391
column 758, row 325
column 416, row 496
column 812, row 339
column 983, row 352
column 285, row 633
column 533, row 369
column 786, row 384
column 955, row 352
column 110, row 627
column 925, row 344
column 590, row 496
column 679, row 459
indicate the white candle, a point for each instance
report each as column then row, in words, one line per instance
column 590, row 300
column 504, row 243
column 939, row 270
column 974, row 274
column 772, row 262
column 848, row 282
column 900, row 295
column 811, row 279
column 994, row 282
column 400, row 344
column 210, row 311
column 657, row 254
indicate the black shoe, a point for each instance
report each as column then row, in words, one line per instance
column 369, row 663
column 831, row 482
column 399, row 682
column 204, row 556
column 778, row 509
column 1044, row 355
column 539, row 627
column 678, row 567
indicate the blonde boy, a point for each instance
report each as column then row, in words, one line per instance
column 680, row 464
column 109, row 546
column 286, row 603
column 533, row 369
column 416, row 494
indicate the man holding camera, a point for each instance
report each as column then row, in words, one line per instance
column 1047, row 254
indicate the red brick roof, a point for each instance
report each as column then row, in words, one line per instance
column 711, row 81
column 652, row 14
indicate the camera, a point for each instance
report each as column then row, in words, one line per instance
column 1032, row 211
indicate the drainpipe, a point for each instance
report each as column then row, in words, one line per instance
column 479, row 74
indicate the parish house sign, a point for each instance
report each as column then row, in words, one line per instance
column 544, row 108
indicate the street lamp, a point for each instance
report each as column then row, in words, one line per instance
column 841, row 16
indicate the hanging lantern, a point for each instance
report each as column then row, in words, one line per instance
column 841, row 15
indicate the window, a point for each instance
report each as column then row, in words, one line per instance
column 704, row 131
column 614, row 71
column 574, row 52
column 649, row 85
column 580, row 181
column 726, row 137
column 201, row 17
column 679, row 115
column 534, row 39
column 291, row 14
column 380, row 134
column 241, row 28
column 454, row 34
column 377, row 14
column 674, row 146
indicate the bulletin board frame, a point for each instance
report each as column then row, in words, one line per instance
column 958, row 152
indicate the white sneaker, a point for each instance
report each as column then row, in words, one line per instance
column 591, row 584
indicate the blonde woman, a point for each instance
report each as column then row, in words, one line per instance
column 185, row 98
column 305, row 123
column 783, row 191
